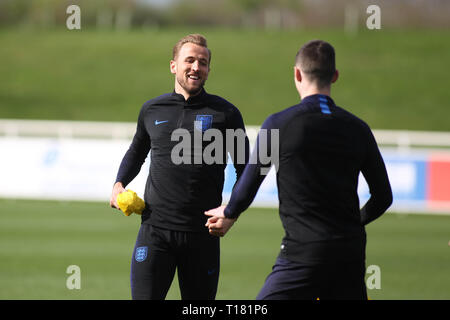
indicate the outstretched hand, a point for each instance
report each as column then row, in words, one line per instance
column 217, row 224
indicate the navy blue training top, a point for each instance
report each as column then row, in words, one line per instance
column 177, row 194
column 322, row 150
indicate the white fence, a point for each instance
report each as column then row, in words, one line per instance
column 73, row 160
column 125, row 130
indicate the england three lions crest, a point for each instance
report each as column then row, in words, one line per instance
column 203, row 122
column 141, row 254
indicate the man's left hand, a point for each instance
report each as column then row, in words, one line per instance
column 217, row 224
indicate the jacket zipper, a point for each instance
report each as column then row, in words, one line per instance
column 181, row 118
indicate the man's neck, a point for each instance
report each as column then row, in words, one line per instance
column 314, row 90
column 178, row 89
column 183, row 93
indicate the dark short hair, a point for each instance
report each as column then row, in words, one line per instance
column 316, row 59
column 195, row 38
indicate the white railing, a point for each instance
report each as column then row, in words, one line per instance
column 126, row 130
column 55, row 158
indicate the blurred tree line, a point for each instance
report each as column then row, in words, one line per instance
column 279, row 14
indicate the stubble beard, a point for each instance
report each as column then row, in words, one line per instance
column 182, row 81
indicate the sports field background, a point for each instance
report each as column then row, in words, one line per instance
column 393, row 79
column 40, row 239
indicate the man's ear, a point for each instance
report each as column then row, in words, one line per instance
column 335, row 76
column 173, row 66
column 297, row 74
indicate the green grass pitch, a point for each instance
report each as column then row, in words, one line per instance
column 40, row 239
column 393, row 79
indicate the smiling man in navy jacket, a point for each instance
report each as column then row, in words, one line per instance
column 172, row 234
column 322, row 150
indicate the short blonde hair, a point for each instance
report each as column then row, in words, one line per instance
column 195, row 38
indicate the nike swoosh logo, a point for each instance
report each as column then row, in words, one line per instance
column 159, row 122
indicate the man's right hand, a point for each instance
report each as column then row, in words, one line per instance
column 118, row 188
column 218, row 224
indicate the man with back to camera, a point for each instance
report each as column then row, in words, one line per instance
column 322, row 150
column 172, row 234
